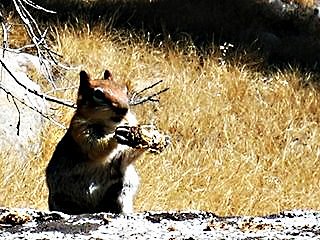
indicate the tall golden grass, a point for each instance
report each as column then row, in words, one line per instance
column 244, row 141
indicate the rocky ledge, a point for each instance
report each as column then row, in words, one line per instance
column 34, row 224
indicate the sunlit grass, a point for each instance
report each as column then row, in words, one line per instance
column 243, row 141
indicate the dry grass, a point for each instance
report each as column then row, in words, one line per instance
column 244, row 142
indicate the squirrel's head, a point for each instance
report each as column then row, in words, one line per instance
column 102, row 100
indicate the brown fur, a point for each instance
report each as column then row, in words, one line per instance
column 89, row 170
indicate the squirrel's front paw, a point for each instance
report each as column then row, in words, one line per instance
column 142, row 136
column 125, row 135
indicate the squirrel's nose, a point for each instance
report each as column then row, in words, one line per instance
column 121, row 110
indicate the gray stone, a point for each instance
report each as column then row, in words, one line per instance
column 34, row 224
column 20, row 126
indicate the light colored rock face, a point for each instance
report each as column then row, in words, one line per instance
column 25, row 138
column 32, row 224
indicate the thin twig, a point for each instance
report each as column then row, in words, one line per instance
column 19, row 115
column 47, row 59
column 134, row 102
column 17, row 108
column 35, row 35
column 32, row 4
column 149, row 87
column 32, row 108
column 5, row 41
column 35, row 92
column 137, row 99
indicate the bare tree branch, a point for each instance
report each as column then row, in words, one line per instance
column 137, row 99
column 46, row 116
column 19, row 115
column 35, row 92
column 36, row 36
column 32, row 4
column 48, row 59
column 15, row 104
column 5, row 41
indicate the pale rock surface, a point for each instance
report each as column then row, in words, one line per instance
column 23, row 139
column 33, row 224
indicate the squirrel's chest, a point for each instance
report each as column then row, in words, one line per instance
column 93, row 188
column 99, row 182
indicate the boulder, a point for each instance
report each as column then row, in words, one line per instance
column 20, row 126
column 35, row 224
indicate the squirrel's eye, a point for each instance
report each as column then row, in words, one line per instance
column 98, row 95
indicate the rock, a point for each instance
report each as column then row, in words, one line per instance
column 34, row 224
column 269, row 42
column 20, row 129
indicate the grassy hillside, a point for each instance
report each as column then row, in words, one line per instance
column 245, row 137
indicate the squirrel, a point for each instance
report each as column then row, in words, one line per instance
column 90, row 171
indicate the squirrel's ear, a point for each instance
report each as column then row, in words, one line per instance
column 84, row 82
column 107, row 75
column 84, row 76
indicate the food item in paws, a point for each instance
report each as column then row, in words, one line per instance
column 142, row 136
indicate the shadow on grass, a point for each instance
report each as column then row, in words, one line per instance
column 281, row 37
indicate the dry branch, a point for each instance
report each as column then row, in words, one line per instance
column 36, row 36
column 46, row 116
column 137, row 99
column 48, row 59
column 35, row 92
column 5, row 30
